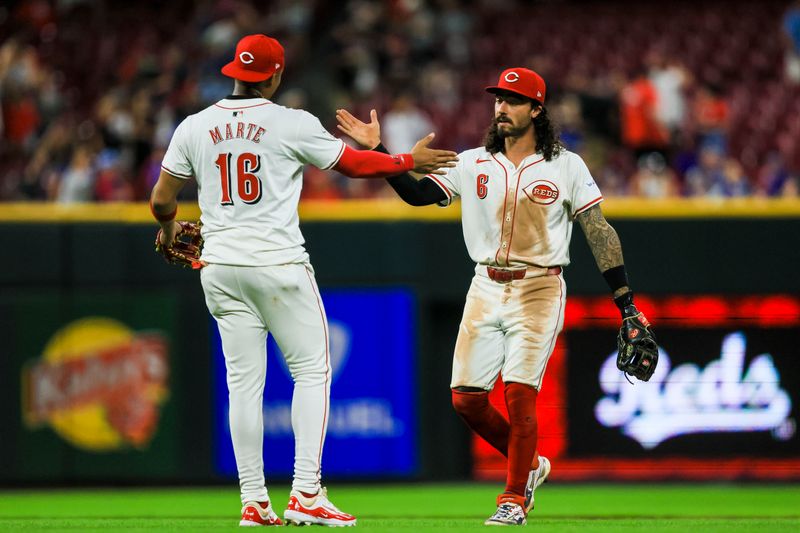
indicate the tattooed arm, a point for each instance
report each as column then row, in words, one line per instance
column 637, row 351
column 606, row 248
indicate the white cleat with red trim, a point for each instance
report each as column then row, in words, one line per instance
column 259, row 514
column 315, row 510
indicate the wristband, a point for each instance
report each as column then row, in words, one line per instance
column 616, row 277
column 407, row 161
column 163, row 218
column 624, row 300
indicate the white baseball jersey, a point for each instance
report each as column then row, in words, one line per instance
column 247, row 155
column 519, row 216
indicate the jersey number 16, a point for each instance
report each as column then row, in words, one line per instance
column 248, row 183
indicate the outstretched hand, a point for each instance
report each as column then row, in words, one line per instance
column 367, row 135
column 430, row 161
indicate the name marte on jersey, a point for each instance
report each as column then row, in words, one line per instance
column 249, row 131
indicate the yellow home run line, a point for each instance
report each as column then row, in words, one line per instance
column 384, row 210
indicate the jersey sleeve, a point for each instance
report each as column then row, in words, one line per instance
column 176, row 161
column 314, row 144
column 584, row 191
column 449, row 182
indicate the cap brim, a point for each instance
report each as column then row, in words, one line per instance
column 494, row 89
column 233, row 70
column 497, row 89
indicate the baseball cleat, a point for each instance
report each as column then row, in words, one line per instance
column 507, row 514
column 315, row 510
column 259, row 514
column 536, row 478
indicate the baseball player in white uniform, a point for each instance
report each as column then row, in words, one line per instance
column 520, row 194
column 247, row 155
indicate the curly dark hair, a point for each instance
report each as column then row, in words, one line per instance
column 547, row 140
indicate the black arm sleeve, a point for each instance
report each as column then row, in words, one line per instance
column 412, row 191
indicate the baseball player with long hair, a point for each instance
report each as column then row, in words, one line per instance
column 519, row 194
column 247, row 154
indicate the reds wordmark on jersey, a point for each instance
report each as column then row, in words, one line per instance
column 247, row 155
column 519, row 216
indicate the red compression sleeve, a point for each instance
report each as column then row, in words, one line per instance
column 368, row 164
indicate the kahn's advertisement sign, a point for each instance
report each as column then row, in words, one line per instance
column 98, row 385
column 372, row 423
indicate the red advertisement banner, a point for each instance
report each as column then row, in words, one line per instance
column 722, row 404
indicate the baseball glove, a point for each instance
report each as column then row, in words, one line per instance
column 636, row 342
column 185, row 249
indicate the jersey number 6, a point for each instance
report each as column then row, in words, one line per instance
column 482, row 180
column 249, row 185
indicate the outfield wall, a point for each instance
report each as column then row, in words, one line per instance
column 110, row 370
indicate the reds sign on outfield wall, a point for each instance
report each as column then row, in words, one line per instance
column 722, row 403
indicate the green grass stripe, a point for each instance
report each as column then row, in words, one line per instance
column 422, row 507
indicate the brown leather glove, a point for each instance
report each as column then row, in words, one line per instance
column 185, row 249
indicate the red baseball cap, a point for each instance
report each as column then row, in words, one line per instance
column 257, row 58
column 520, row 81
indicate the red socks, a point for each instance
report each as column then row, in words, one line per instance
column 515, row 438
column 481, row 416
column 521, row 403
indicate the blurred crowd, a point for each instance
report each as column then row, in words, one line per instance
column 703, row 101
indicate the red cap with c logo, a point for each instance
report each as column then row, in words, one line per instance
column 521, row 81
column 257, row 58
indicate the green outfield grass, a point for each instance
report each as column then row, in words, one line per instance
column 424, row 507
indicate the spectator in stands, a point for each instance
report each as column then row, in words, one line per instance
column 613, row 183
column 610, row 168
column 567, row 114
column 110, row 184
column 670, row 80
column 774, row 178
column 439, row 86
column 20, row 112
column 734, row 183
column 791, row 36
column 77, row 182
column 641, row 130
column 654, row 179
column 126, row 88
column 455, row 22
column 711, row 114
column 51, row 156
column 706, row 177
column 403, row 124
column 792, row 187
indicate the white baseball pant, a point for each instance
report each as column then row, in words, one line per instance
column 509, row 329
column 249, row 302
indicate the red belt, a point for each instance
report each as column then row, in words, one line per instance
column 504, row 276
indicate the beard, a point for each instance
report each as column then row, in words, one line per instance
column 509, row 130
column 494, row 141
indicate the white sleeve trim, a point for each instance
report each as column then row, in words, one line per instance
column 176, row 174
column 338, row 156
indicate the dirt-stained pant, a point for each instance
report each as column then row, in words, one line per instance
column 248, row 303
column 508, row 328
